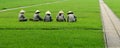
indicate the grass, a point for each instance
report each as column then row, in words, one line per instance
column 85, row 33
column 5, row 4
column 51, row 39
column 113, row 4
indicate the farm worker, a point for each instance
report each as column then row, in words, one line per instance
column 60, row 16
column 48, row 17
column 71, row 17
column 21, row 16
column 36, row 16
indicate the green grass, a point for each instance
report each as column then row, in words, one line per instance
column 51, row 39
column 6, row 4
column 114, row 5
column 85, row 33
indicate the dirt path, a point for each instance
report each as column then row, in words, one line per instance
column 111, row 25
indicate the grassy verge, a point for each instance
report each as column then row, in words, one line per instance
column 114, row 5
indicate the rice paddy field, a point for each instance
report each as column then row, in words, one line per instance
column 114, row 5
column 85, row 33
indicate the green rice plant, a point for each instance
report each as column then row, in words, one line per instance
column 85, row 33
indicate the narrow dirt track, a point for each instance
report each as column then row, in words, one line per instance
column 111, row 26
